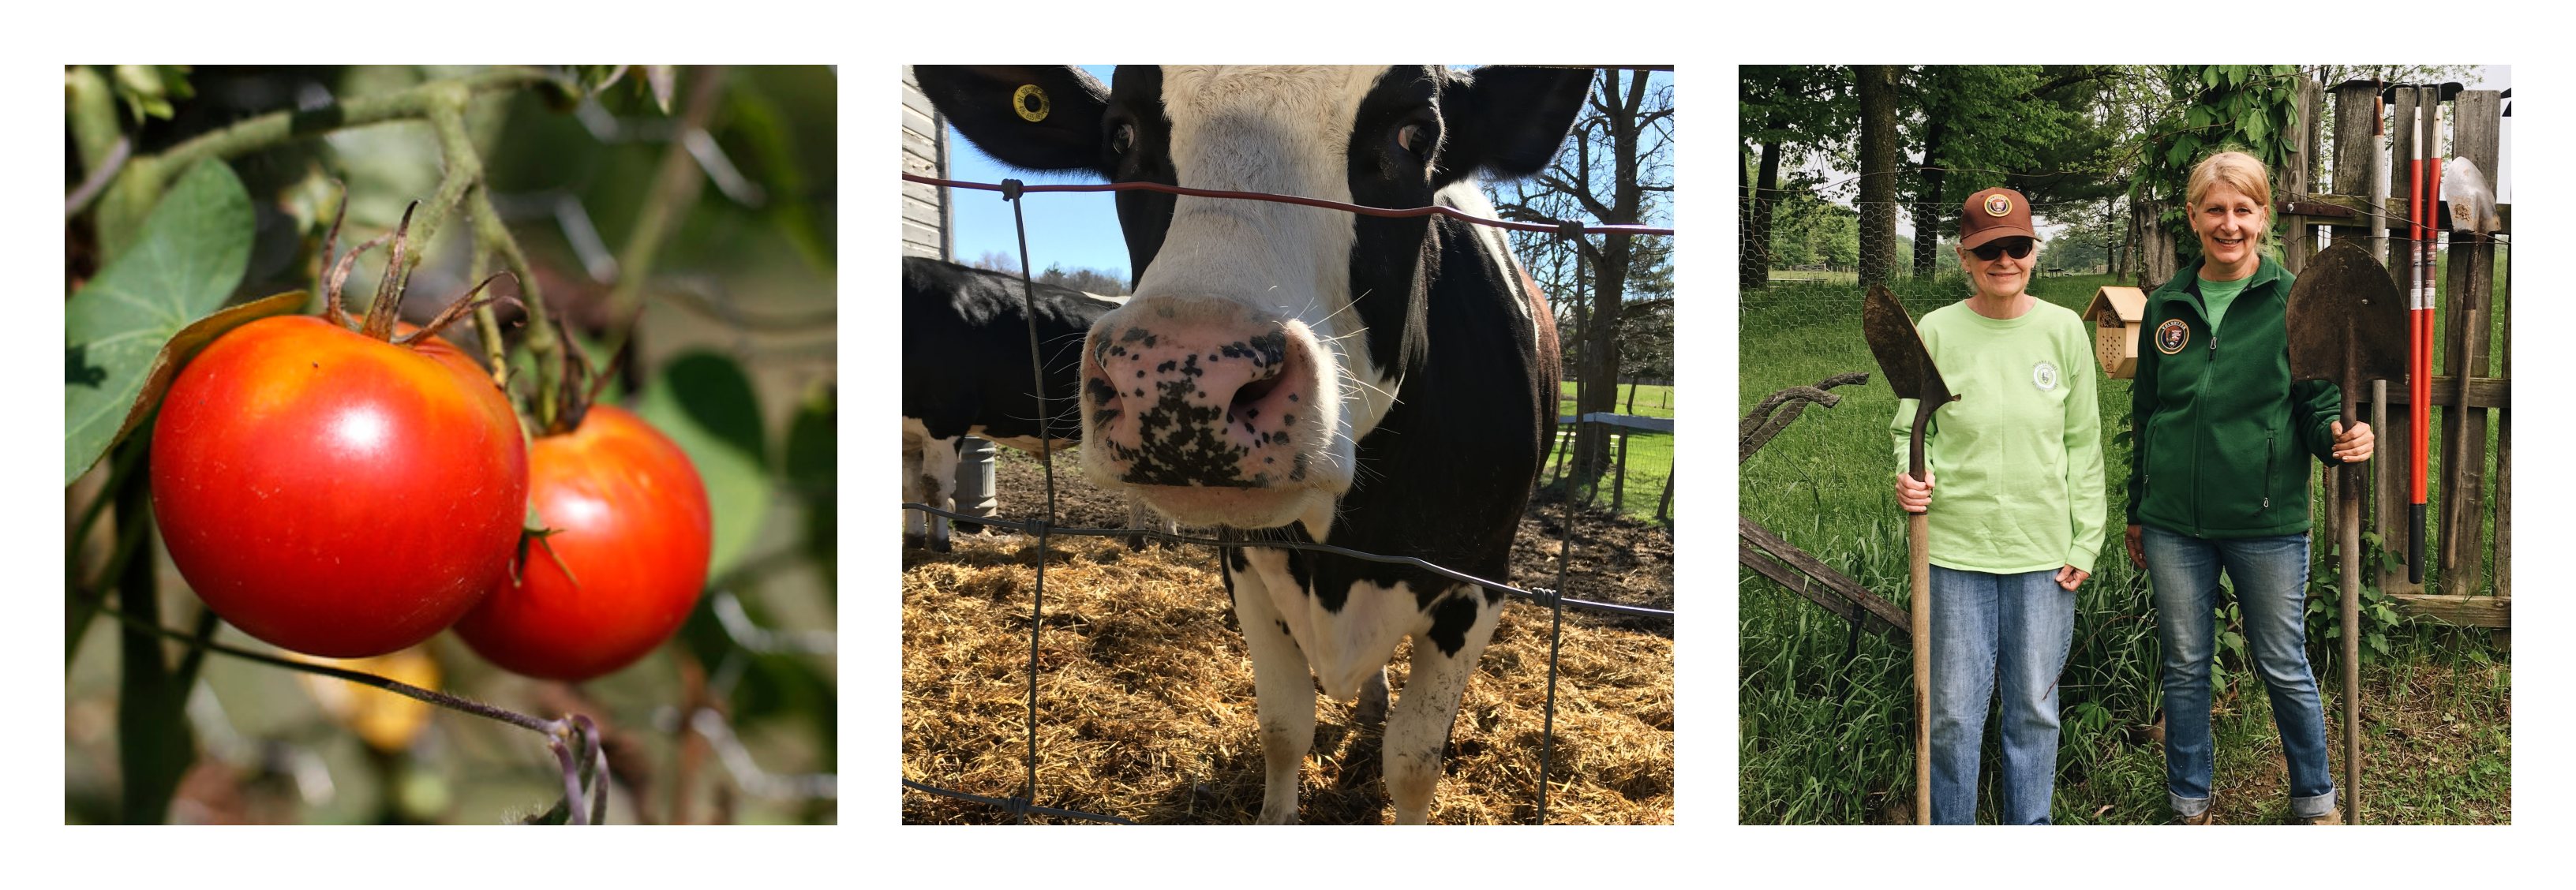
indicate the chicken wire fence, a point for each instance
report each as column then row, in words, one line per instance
column 1024, row 804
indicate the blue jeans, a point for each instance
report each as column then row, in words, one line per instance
column 1996, row 635
column 2270, row 576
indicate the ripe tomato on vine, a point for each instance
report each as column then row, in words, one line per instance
column 623, row 561
column 336, row 492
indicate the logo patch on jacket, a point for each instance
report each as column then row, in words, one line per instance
column 2171, row 335
column 2044, row 376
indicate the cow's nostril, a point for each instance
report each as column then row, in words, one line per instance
column 1252, row 393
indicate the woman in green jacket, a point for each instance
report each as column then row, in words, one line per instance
column 2018, row 460
column 2220, row 482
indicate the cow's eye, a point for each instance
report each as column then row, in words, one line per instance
column 1417, row 137
column 1122, row 139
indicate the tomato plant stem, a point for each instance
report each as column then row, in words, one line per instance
column 544, row 349
column 573, row 809
column 136, row 626
column 154, row 745
column 77, row 606
column 281, row 126
column 121, row 211
column 675, row 187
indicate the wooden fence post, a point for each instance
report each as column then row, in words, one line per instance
column 1619, row 482
column 2299, row 176
column 2467, row 296
column 2394, row 492
column 2504, row 458
column 2357, row 163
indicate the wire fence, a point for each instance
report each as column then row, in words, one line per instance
column 1023, row 804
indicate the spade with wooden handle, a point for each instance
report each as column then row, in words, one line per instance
column 1908, row 369
column 2346, row 323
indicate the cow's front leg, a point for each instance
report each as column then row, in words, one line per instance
column 939, row 475
column 1283, row 687
column 916, row 488
column 1444, row 656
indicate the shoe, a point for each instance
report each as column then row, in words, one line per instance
column 2331, row 817
column 2206, row 817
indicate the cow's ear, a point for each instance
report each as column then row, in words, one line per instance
column 1033, row 117
column 1509, row 120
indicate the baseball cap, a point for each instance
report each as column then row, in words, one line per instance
column 1994, row 213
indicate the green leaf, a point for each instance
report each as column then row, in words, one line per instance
column 705, row 402
column 189, row 257
column 2255, row 128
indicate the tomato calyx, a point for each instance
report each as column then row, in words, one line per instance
column 535, row 533
column 582, row 384
column 379, row 323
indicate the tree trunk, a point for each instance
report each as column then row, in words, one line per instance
column 1927, row 207
column 1600, row 389
column 1877, row 88
column 1625, row 104
column 1753, row 263
column 2156, row 259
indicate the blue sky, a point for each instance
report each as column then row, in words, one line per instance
column 1072, row 230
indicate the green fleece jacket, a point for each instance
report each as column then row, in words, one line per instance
column 2017, row 461
column 2222, row 437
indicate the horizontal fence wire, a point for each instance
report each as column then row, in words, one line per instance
column 1041, row 529
column 1539, row 595
column 1012, row 188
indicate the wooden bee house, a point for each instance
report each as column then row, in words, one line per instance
column 2116, row 314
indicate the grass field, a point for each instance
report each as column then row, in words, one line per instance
column 1650, row 459
column 1826, row 726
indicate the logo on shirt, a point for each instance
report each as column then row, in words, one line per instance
column 2044, row 376
column 2171, row 335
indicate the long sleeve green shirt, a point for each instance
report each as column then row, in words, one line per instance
column 2017, row 460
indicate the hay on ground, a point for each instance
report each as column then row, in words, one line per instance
column 1145, row 700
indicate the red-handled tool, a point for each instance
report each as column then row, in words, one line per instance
column 2425, row 177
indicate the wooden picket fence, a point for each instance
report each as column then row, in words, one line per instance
column 2473, row 387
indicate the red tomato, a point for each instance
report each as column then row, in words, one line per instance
column 335, row 494
column 633, row 528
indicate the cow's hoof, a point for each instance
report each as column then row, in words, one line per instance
column 915, row 542
column 1136, row 542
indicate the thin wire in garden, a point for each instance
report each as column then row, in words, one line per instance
column 1024, row 804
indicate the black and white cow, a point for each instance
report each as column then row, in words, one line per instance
column 1303, row 374
column 966, row 372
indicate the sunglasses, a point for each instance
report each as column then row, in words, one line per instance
column 2018, row 247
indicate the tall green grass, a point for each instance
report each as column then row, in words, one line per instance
column 1826, row 715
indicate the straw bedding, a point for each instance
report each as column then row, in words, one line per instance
column 1145, row 695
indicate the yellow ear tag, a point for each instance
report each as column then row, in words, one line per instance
column 1030, row 102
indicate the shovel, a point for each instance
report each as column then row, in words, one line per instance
column 1907, row 367
column 2345, row 320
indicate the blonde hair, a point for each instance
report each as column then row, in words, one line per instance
column 2239, row 172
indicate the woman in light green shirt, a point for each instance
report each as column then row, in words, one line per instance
column 2017, row 461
